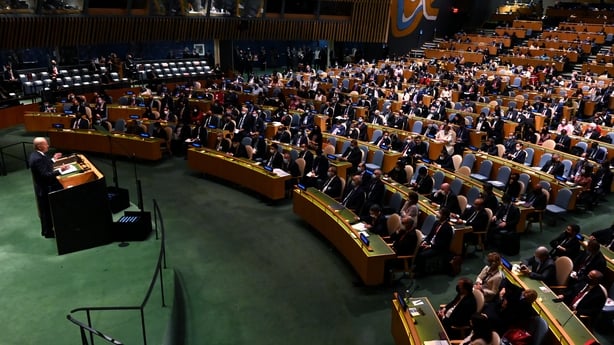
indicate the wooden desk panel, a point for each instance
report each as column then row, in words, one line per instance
column 390, row 156
column 314, row 207
column 43, row 122
column 240, row 171
column 116, row 112
column 517, row 32
column 477, row 58
column 406, row 331
column 534, row 25
column 121, row 144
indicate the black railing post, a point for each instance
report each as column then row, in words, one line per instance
column 89, row 323
column 143, row 326
column 25, row 155
column 162, row 286
column 2, row 163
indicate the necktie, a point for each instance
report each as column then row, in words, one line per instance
column 435, row 234
column 326, row 184
column 579, row 296
column 348, row 197
column 77, row 124
column 241, row 121
column 472, row 218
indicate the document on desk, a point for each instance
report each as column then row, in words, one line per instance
column 71, row 169
column 436, row 342
column 280, row 172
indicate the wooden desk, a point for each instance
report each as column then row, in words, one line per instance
column 506, row 41
column 390, row 156
column 552, row 53
column 572, row 35
column 512, row 32
column 535, row 25
column 471, row 46
column 408, row 330
column 314, row 207
column 599, row 69
column 527, row 61
column 43, row 122
column 477, row 58
column 116, row 112
column 240, row 171
column 550, row 44
column 536, row 176
column 570, row 332
column 120, row 144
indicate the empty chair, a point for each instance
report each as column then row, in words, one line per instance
column 376, row 134
column 376, row 162
column 525, row 179
column 511, row 104
column 517, row 83
column 561, row 203
column 456, row 160
column 427, row 225
column 472, row 194
column 294, row 155
column 394, row 204
column 544, row 159
column 567, row 163
column 346, row 144
column 115, row 77
column 417, row 127
column 468, row 161
column 483, row 173
column 408, row 260
column 456, row 185
column 465, row 171
column 528, row 161
column 365, row 152
column 77, row 80
column 503, row 176
column 409, row 172
column 545, row 185
column 246, row 141
column 462, row 203
column 500, row 150
column 333, row 141
column 549, row 144
column 563, row 267
column 120, row 125
column 438, row 177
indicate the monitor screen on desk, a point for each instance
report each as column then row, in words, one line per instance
column 332, row 157
column 401, row 301
column 301, row 187
column 195, row 144
column 134, row 117
column 364, row 239
column 58, row 125
column 144, row 135
column 560, row 178
column 68, row 112
column 506, row 263
column 268, row 168
column 472, row 148
column 129, row 93
column 425, row 160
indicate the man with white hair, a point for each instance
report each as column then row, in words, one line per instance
column 540, row 266
column 45, row 181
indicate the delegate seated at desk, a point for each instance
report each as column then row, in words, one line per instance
column 444, row 197
column 590, row 259
column 437, row 243
column 376, row 223
column 319, row 169
column 513, row 310
column 333, row 186
column 540, row 266
column 424, row 183
column 518, row 155
column 567, row 243
column 554, row 166
column 458, row 312
column 274, row 158
column 605, row 237
column 489, row 147
column 587, row 298
column 352, row 154
column 237, row 149
column 354, row 196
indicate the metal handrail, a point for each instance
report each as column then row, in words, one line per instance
column 160, row 264
column 3, row 171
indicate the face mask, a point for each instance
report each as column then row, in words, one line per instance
column 272, row 151
column 359, row 169
column 353, row 183
column 518, row 148
column 330, row 174
column 359, row 120
column 286, row 161
column 538, row 260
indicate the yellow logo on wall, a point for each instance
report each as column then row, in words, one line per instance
column 407, row 14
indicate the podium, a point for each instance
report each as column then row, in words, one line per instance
column 81, row 214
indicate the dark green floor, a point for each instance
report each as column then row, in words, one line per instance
column 251, row 273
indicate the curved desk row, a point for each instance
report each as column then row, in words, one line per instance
column 240, row 171
column 334, row 222
column 117, row 144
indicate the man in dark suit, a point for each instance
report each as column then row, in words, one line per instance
column 476, row 216
column 80, row 122
column 376, row 223
column 496, row 129
column 352, row 154
column 274, row 159
column 383, row 141
column 374, row 192
column 554, row 166
column 540, row 267
column 567, row 243
column 604, row 236
column 413, row 150
column 587, row 298
column 563, row 141
column 519, row 155
column 424, row 182
column 580, row 164
column 45, row 181
column 332, row 186
column 506, row 217
column 445, row 198
column 458, row 312
column 594, row 153
column 437, row 242
column 354, row 196
column 237, row 149
column 591, row 259
column 305, row 154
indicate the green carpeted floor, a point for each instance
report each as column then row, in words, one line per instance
column 252, row 273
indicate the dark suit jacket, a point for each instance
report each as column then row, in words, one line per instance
column 584, row 264
column 595, row 155
column 442, row 238
column 379, row 225
column 592, row 302
column 512, row 218
column 334, row 188
column 276, row 162
column 291, row 168
column 308, row 157
column 545, row 272
column 375, row 192
column 381, row 141
column 571, row 245
column 462, row 312
column 479, row 221
column 404, row 242
column 424, row 185
column 320, row 166
column 353, row 156
column 563, row 143
column 519, row 157
column 450, row 201
column 557, row 168
column 353, row 199
column 43, row 174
